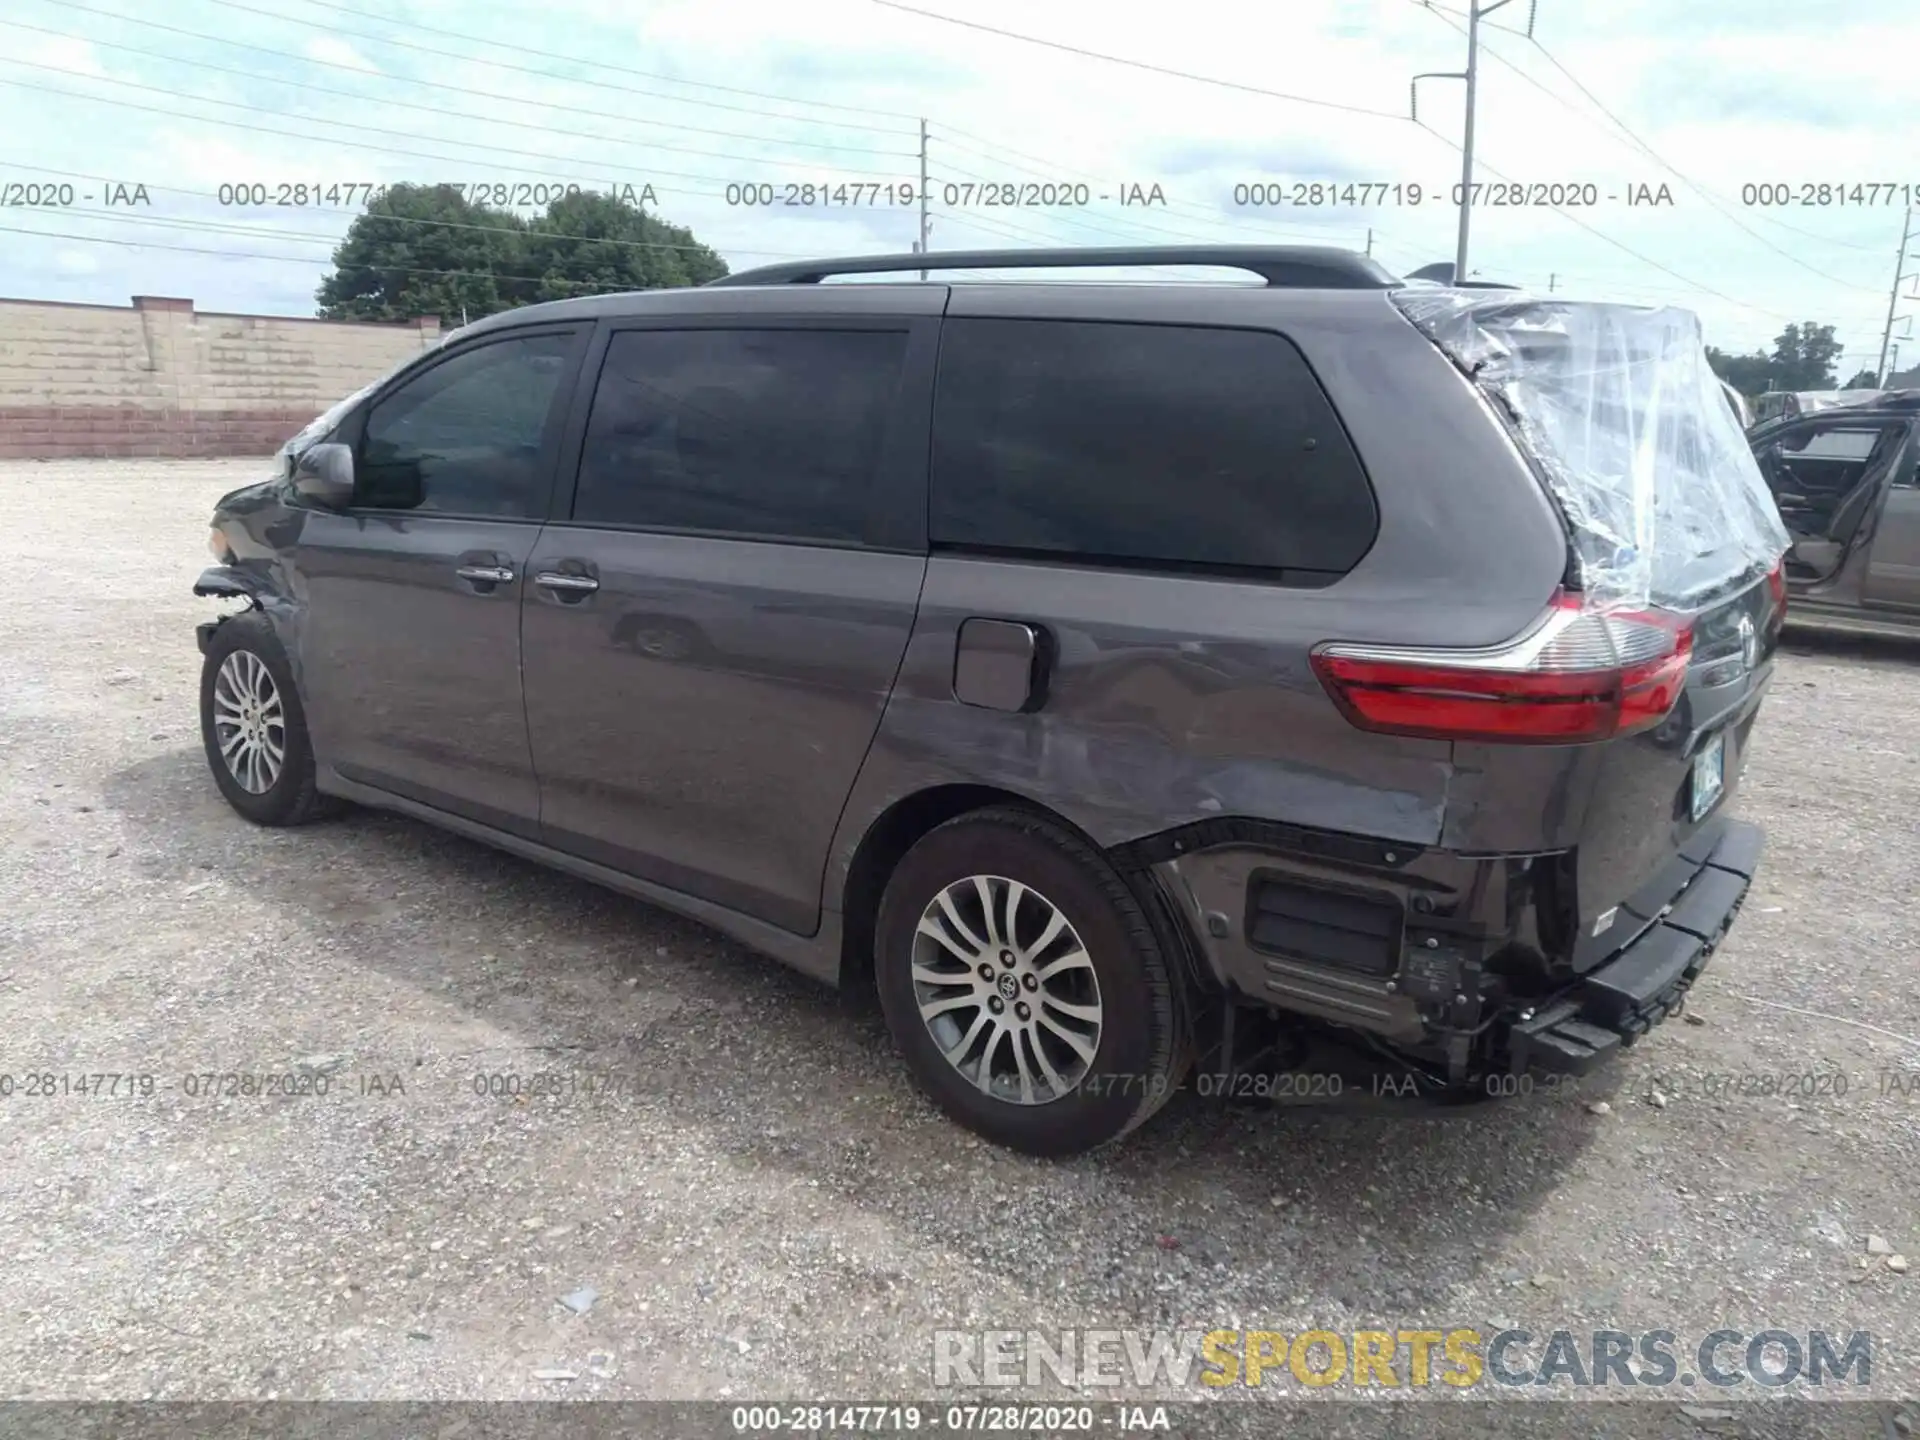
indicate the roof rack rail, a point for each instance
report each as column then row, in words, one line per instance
column 1314, row 267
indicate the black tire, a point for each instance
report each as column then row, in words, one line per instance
column 1143, row 1048
column 292, row 798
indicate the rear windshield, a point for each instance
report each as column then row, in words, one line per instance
column 1627, row 423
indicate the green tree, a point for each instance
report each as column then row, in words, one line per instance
column 1802, row 359
column 1863, row 380
column 1749, row 374
column 425, row 250
column 589, row 244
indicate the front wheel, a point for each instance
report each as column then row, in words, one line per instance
column 254, row 728
column 1024, row 984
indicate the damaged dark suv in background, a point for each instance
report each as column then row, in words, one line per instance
column 1116, row 678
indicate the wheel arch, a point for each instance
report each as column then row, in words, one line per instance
column 901, row 826
column 892, row 833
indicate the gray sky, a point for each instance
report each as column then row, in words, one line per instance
column 1708, row 98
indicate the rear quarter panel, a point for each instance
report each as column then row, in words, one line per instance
column 1175, row 698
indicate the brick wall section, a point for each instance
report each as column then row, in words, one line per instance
column 158, row 378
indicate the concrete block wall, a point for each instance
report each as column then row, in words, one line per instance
column 158, row 378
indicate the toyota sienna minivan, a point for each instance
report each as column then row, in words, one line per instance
column 1105, row 674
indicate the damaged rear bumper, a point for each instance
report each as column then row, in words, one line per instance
column 1617, row 1003
column 1411, row 953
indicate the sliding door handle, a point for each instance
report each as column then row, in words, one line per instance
column 487, row 574
column 557, row 580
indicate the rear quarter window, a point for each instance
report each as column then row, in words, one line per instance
column 1147, row 445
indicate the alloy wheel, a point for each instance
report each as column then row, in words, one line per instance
column 1007, row 990
column 249, row 722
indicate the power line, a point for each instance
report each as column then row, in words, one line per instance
column 1066, row 214
column 521, row 49
column 290, row 259
column 1214, row 81
column 1131, row 64
column 1175, row 208
column 347, row 125
column 1598, row 104
column 1202, row 217
column 379, row 130
column 308, row 237
column 1617, row 244
column 340, row 33
column 428, row 85
column 1275, row 94
column 1656, row 157
column 992, row 226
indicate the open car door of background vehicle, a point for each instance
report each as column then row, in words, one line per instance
column 1893, row 563
column 1828, row 476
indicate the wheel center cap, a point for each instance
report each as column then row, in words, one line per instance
column 1008, row 987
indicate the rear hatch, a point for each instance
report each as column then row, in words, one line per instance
column 1674, row 580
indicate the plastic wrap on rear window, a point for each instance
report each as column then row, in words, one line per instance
column 1627, row 422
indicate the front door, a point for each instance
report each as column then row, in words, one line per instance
column 712, row 635
column 1827, row 475
column 410, row 627
column 1893, row 564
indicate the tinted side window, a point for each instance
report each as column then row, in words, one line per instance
column 1836, row 444
column 1154, row 443
column 466, row 437
column 749, row 432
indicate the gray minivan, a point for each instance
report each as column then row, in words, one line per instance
column 1135, row 684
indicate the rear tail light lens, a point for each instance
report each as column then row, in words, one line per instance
column 1577, row 675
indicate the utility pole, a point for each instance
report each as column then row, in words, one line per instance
column 1553, row 283
column 1893, row 296
column 1475, row 13
column 921, row 247
column 1369, row 240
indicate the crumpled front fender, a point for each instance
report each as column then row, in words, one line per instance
column 228, row 580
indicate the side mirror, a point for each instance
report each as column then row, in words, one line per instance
column 324, row 474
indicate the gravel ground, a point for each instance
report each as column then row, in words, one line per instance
column 762, row 1206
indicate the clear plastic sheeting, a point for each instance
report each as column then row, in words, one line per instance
column 1627, row 423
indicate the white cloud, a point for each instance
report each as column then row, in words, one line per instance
column 1729, row 91
column 58, row 52
column 335, row 51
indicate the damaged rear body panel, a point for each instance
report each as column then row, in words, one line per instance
column 1580, row 880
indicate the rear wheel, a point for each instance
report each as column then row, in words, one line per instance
column 1025, row 987
column 254, row 728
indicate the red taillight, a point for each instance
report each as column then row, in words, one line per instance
column 1577, row 675
column 1777, row 585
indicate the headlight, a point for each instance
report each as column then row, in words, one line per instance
column 217, row 544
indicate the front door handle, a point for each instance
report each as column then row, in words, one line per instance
column 557, row 580
column 487, row 574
